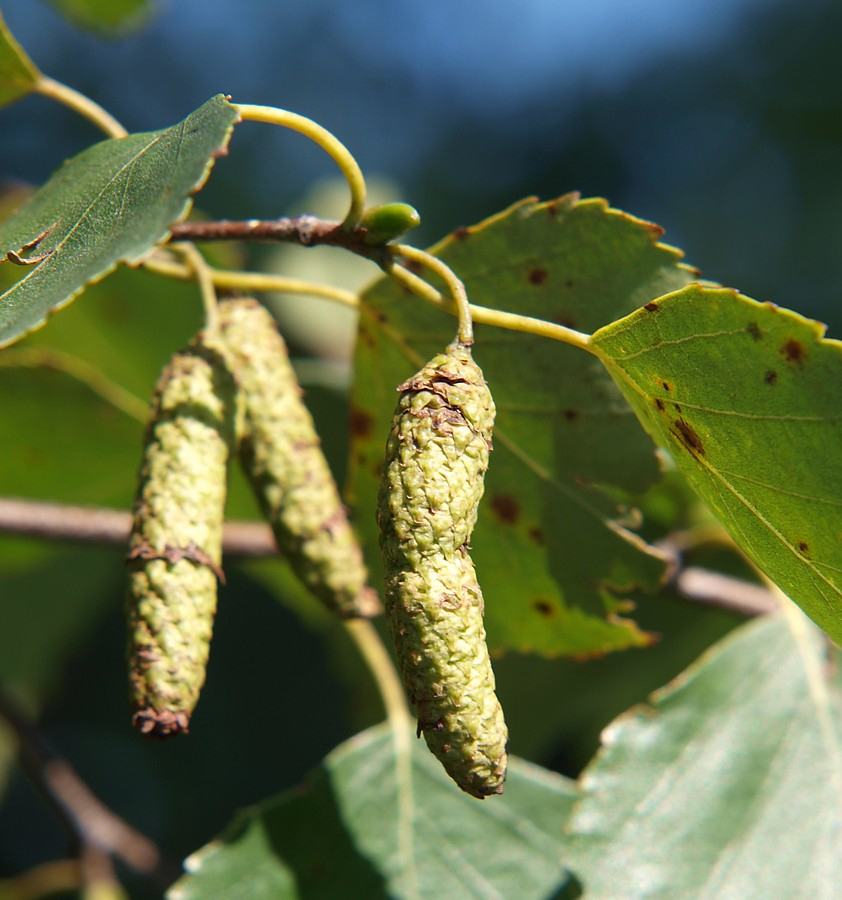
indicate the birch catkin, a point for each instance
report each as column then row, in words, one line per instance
column 282, row 456
column 436, row 458
column 175, row 547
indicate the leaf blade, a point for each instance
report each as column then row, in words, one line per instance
column 729, row 786
column 745, row 396
column 341, row 834
column 106, row 16
column 552, row 545
column 110, row 204
column 18, row 74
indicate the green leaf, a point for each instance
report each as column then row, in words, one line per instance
column 729, row 786
column 355, row 830
column 105, row 15
column 551, row 544
column 18, row 74
column 60, row 441
column 746, row 397
column 110, row 204
column 52, row 598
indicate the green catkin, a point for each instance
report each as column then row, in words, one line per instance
column 175, row 547
column 436, row 458
column 282, row 456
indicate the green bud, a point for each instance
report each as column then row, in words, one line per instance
column 175, row 547
column 436, row 458
column 388, row 221
column 282, row 457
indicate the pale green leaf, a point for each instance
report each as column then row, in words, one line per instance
column 363, row 828
column 110, row 204
column 747, row 398
column 552, row 544
column 18, row 74
column 108, row 16
column 730, row 786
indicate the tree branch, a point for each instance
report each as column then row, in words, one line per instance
column 746, row 598
column 56, row 521
column 726, row 592
column 97, row 831
column 308, row 231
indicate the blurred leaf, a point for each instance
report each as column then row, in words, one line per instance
column 349, row 833
column 729, row 787
column 110, row 204
column 551, row 543
column 49, row 606
column 18, row 73
column 108, row 16
column 746, row 397
column 60, row 441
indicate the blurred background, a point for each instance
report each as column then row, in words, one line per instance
column 721, row 120
column 717, row 119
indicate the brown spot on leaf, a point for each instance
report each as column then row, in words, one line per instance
column 770, row 377
column 536, row 535
column 664, row 384
column 660, row 404
column 543, row 607
column 506, row 508
column 461, row 233
column 571, row 414
column 652, row 307
column 360, row 423
column 804, row 547
column 754, row 330
column 569, row 283
column 676, row 407
column 687, row 435
column 537, row 275
column 794, row 352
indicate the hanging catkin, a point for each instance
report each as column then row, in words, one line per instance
column 175, row 547
column 436, row 458
column 282, row 457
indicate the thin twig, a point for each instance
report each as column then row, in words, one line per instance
column 465, row 332
column 337, row 151
column 85, row 524
column 746, row 598
column 97, row 831
column 252, row 282
column 726, row 592
column 308, row 231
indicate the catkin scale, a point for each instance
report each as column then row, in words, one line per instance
column 282, row 457
column 436, row 458
column 175, row 546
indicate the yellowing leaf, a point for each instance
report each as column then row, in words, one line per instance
column 747, row 398
column 110, row 204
